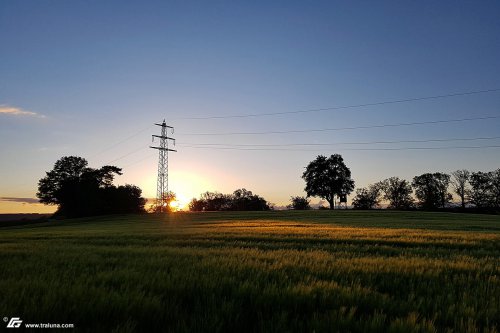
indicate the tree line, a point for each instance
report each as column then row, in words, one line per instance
column 330, row 179
column 430, row 191
column 79, row 190
column 239, row 200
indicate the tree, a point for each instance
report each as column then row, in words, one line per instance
column 397, row 192
column 431, row 189
column 327, row 178
column 241, row 199
column 495, row 188
column 67, row 169
column 215, row 201
column 196, row 205
column 459, row 181
column 480, row 193
column 82, row 191
column 367, row 198
column 299, row 203
column 124, row 199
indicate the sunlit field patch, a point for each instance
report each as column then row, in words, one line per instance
column 275, row 271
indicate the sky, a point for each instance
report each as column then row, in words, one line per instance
column 91, row 78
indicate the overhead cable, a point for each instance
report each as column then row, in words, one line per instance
column 346, row 128
column 353, row 106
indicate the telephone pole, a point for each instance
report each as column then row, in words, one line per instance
column 162, row 195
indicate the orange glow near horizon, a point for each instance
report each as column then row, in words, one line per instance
column 181, row 202
column 174, row 205
column 7, row 207
column 186, row 185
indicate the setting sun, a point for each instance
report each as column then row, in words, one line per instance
column 180, row 203
column 174, row 205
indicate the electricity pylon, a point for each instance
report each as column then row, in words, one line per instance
column 162, row 195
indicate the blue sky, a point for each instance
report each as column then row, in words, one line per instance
column 93, row 76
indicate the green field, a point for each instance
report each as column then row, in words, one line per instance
column 322, row 271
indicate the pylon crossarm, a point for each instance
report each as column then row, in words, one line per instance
column 164, row 149
column 163, row 137
column 162, row 125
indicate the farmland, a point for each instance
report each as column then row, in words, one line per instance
column 341, row 271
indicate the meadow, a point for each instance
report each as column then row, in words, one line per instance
column 314, row 271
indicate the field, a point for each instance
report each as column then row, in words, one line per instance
column 322, row 271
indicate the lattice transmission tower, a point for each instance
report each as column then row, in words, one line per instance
column 162, row 194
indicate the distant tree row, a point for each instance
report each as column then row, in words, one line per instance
column 78, row 190
column 330, row 179
column 240, row 200
column 431, row 191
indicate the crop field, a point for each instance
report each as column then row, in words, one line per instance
column 315, row 271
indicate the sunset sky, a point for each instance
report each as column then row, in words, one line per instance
column 90, row 78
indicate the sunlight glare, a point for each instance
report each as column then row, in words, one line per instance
column 174, row 205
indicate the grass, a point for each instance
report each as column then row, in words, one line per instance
column 342, row 271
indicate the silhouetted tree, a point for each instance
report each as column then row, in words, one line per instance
column 495, row 187
column 197, row 205
column 459, row 181
column 82, row 191
column 123, row 199
column 367, row 198
column 241, row 199
column 211, row 201
column 480, row 193
column 299, row 203
column 397, row 192
column 431, row 189
column 215, row 201
column 327, row 178
column 67, row 169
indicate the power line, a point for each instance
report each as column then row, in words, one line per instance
column 396, row 101
column 191, row 144
column 138, row 161
column 349, row 149
column 316, row 110
column 128, row 154
column 226, row 145
column 120, row 142
column 348, row 128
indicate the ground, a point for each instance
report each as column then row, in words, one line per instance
column 322, row 271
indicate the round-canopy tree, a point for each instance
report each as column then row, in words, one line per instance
column 82, row 191
column 397, row 192
column 431, row 189
column 299, row 203
column 66, row 170
column 327, row 178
